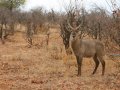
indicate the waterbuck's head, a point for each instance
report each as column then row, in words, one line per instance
column 74, row 30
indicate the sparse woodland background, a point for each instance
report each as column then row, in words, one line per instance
column 97, row 23
column 32, row 47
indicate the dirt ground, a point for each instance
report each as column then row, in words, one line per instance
column 43, row 67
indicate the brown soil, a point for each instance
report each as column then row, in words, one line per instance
column 44, row 67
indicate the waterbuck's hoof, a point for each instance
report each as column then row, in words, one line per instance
column 92, row 73
column 102, row 74
column 78, row 75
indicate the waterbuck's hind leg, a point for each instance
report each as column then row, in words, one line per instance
column 96, row 63
column 103, row 64
column 79, row 62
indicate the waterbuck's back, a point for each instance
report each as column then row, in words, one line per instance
column 88, row 48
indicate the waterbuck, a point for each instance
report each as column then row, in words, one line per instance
column 86, row 48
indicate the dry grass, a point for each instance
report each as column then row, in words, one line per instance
column 49, row 68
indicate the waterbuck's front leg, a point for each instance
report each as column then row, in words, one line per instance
column 79, row 62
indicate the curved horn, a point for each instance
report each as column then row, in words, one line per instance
column 69, row 25
column 76, row 28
